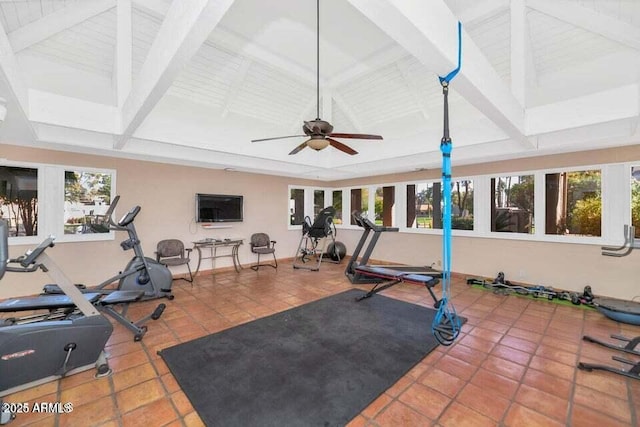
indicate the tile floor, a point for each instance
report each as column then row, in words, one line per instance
column 514, row 363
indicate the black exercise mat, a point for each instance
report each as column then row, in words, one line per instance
column 319, row 364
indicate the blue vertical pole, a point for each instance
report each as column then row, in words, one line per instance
column 446, row 324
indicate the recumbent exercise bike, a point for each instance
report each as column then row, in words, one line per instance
column 35, row 353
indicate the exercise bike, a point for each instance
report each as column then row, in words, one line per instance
column 35, row 353
column 141, row 273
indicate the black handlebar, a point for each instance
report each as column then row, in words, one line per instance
column 30, row 269
column 112, row 207
column 125, row 220
column 129, row 217
column 31, row 256
column 363, row 221
column 27, row 261
column 367, row 224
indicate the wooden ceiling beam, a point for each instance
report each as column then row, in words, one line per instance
column 53, row 23
column 590, row 20
column 428, row 30
column 184, row 29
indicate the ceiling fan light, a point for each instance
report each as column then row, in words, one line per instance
column 318, row 144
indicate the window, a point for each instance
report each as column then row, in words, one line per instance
column 337, row 204
column 19, row 200
column 307, row 202
column 512, row 204
column 87, row 197
column 425, row 205
column 384, row 201
column 462, row 205
column 423, row 210
column 536, row 205
column 573, row 203
column 318, row 202
column 76, row 201
column 296, row 206
column 359, row 202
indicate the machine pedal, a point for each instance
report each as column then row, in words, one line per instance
column 158, row 311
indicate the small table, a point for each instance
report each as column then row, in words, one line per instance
column 213, row 245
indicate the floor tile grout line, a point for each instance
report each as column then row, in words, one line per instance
column 551, row 336
column 520, row 381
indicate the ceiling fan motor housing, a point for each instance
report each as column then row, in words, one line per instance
column 317, row 127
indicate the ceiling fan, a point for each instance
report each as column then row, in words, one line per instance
column 320, row 132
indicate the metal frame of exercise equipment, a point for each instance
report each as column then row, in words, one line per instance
column 323, row 228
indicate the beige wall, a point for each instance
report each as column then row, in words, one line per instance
column 166, row 195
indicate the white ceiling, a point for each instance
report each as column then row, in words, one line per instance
column 194, row 81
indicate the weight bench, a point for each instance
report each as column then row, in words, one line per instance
column 391, row 277
column 61, row 307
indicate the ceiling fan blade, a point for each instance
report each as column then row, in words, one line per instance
column 277, row 137
column 299, row 148
column 340, row 146
column 355, row 136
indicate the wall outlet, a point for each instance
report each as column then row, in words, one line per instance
column 439, row 263
column 522, row 274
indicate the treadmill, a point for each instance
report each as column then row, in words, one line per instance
column 352, row 271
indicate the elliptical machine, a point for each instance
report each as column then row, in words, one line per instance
column 35, row 353
column 141, row 273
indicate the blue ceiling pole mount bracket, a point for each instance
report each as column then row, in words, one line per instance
column 446, row 323
column 446, row 79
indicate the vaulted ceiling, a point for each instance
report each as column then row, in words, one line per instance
column 194, row 81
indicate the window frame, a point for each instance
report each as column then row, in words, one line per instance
column 539, row 203
column 309, row 202
column 536, row 225
column 616, row 204
column 435, row 231
column 51, row 185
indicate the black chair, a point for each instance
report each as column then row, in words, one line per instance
column 261, row 244
column 171, row 252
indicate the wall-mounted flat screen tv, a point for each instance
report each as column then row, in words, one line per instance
column 218, row 208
